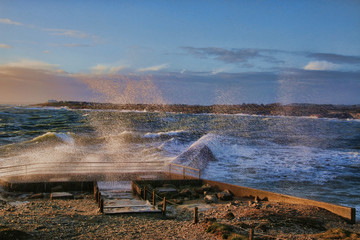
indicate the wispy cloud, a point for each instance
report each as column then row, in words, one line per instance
column 67, row 33
column 105, row 69
column 32, row 64
column 2, row 45
column 234, row 55
column 8, row 21
column 71, row 45
column 335, row 58
column 321, row 66
column 153, row 68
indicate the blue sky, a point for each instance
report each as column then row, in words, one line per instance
column 193, row 52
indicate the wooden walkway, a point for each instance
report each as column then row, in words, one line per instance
column 118, row 199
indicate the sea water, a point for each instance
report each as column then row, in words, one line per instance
column 312, row 158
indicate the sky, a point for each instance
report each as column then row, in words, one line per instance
column 188, row 52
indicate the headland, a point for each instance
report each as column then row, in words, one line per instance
column 274, row 109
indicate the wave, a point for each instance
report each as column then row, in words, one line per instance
column 162, row 134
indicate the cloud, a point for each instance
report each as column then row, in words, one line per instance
column 321, row 66
column 71, row 45
column 67, row 33
column 32, row 64
column 8, row 21
column 335, row 58
column 234, row 55
column 105, row 69
column 46, row 51
column 2, row 45
column 153, row 68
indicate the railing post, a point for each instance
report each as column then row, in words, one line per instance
column 153, row 200
column 196, row 216
column 144, row 193
column 164, row 207
column 251, row 234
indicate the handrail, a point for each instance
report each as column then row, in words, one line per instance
column 80, row 167
column 185, row 170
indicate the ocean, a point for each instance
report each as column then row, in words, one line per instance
column 312, row 158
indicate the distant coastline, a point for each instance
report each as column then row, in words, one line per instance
column 274, row 109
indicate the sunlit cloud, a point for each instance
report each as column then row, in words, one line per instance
column 153, row 68
column 105, row 69
column 46, row 51
column 2, row 45
column 8, row 21
column 321, row 66
column 31, row 64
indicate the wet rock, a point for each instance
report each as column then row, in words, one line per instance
column 210, row 199
column 225, row 195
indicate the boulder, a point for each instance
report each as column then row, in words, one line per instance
column 210, row 199
column 225, row 195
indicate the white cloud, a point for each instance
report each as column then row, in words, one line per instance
column 2, row 45
column 46, row 51
column 32, row 64
column 8, row 21
column 321, row 66
column 105, row 69
column 153, row 68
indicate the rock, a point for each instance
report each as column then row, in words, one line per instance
column 177, row 201
column 61, row 195
column 185, row 193
column 210, row 199
column 256, row 205
column 225, row 195
column 229, row 215
column 36, row 195
column 206, row 187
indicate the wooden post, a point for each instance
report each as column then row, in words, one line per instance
column 99, row 198
column 102, row 205
column 144, row 193
column 96, row 190
column 153, row 200
column 164, row 207
column 196, row 216
column 251, row 234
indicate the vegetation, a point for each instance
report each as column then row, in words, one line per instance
column 274, row 109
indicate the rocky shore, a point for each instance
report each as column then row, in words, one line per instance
column 25, row 216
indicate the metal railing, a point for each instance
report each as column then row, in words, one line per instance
column 184, row 170
column 80, row 168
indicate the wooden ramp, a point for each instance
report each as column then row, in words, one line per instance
column 118, row 199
